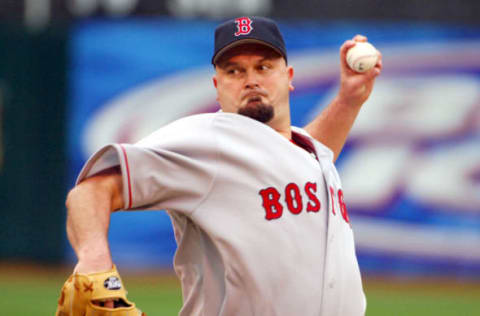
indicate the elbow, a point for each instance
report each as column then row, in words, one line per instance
column 74, row 197
column 69, row 204
column 75, row 203
column 102, row 193
column 70, row 198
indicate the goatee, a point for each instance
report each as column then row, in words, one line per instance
column 260, row 112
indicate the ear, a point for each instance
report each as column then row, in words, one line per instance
column 215, row 84
column 290, row 78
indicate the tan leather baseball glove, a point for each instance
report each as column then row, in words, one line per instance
column 83, row 294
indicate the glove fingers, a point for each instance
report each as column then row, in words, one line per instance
column 66, row 306
column 80, row 292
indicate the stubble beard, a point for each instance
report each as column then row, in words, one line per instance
column 260, row 112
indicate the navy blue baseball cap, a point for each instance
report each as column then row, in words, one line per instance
column 248, row 30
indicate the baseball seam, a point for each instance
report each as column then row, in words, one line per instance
column 356, row 60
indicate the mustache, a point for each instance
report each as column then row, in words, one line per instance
column 253, row 93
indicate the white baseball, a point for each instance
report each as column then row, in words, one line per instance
column 362, row 57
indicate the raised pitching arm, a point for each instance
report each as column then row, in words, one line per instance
column 332, row 125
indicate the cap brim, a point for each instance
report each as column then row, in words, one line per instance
column 243, row 41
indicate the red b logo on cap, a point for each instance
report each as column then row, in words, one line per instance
column 244, row 26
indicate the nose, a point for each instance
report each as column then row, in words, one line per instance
column 251, row 80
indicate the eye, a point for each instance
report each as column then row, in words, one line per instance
column 233, row 71
column 264, row 67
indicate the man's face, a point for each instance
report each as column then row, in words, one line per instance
column 254, row 80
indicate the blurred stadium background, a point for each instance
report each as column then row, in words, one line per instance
column 76, row 74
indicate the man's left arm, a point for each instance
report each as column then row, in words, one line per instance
column 332, row 125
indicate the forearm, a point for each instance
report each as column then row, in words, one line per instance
column 87, row 227
column 333, row 125
column 89, row 207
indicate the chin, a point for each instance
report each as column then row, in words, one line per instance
column 260, row 112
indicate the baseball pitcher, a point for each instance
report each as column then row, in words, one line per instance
column 256, row 204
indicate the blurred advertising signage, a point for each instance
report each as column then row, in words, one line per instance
column 411, row 166
column 50, row 10
column 40, row 13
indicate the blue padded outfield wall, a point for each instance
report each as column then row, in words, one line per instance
column 411, row 167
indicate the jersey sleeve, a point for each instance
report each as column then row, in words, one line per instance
column 173, row 168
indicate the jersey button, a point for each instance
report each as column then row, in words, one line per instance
column 331, row 284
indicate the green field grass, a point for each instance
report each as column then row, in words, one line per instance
column 34, row 291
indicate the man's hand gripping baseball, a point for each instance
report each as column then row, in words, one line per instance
column 355, row 88
column 333, row 124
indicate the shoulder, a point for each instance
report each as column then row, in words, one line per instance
column 192, row 123
column 320, row 148
column 202, row 131
column 187, row 123
column 192, row 128
column 218, row 122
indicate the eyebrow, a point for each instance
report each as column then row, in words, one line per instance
column 232, row 63
column 228, row 64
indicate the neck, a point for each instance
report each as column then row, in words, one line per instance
column 282, row 124
column 287, row 133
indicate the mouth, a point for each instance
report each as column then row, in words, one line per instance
column 254, row 97
column 254, row 100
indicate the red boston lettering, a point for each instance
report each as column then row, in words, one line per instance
column 271, row 204
column 332, row 194
column 293, row 198
column 343, row 206
column 314, row 204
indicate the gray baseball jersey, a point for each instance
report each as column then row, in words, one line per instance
column 260, row 222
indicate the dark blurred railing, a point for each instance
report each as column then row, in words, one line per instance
column 32, row 174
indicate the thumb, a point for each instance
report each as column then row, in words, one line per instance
column 107, row 303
